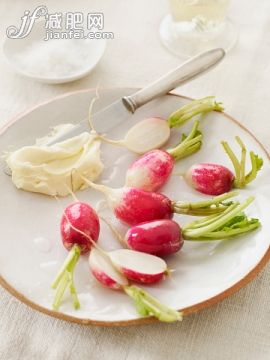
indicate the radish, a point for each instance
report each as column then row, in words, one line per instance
column 210, row 179
column 148, row 134
column 134, row 206
column 104, row 271
column 79, row 230
column 133, row 265
column 214, row 179
column 138, row 266
column 158, row 237
column 153, row 169
column 83, row 217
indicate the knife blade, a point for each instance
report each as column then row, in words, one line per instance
column 104, row 120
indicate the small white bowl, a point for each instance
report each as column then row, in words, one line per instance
column 15, row 49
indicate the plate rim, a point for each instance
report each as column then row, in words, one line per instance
column 147, row 320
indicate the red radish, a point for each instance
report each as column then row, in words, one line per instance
column 79, row 229
column 137, row 266
column 104, row 271
column 214, row 179
column 152, row 170
column 133, row 205
column 83, row 217
column 159, row 237
column 136, row 206
column 210, row 179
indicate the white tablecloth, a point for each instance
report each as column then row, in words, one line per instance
column 239, row 327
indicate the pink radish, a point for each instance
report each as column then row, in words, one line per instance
column 83, row 217
column 139, row 267
column 136, row 206
column 214, row 179
column 104, row 271
column 159, row 237
column 79, row 229
column 210, row 179
column 153, row 169
column 133, row 205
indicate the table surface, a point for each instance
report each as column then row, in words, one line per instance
column 237, row 328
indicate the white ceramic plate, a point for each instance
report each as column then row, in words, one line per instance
column 32, row 252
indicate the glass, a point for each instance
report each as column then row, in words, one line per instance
column 194, row 26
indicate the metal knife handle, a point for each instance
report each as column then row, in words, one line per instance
column 183, row 73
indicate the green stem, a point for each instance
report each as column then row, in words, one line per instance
column 65, row 278
column 241, row 179
column 188, row 145
column 256, row 165
column 195, row 107
column 147, row 305
column 74, row 294
column 60, row 291
column 191, row 149
column 69, row 260
column 189, row 232
column 209, row 219
column 206, row 207
column 243, row 161
column 223, row 234
column 234, row 160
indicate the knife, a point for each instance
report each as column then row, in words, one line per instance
column 123, row 108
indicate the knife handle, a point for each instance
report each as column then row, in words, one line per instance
column 183, row 73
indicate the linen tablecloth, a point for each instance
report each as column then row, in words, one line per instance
column 237, row 328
